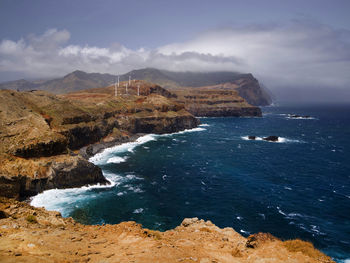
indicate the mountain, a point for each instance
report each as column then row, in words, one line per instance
column 77, row 80
column 247, row 86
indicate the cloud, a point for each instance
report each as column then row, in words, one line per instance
column 294, row 54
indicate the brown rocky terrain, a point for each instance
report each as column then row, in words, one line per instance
column 216, row 101
column 29, row 234
column 41, row 134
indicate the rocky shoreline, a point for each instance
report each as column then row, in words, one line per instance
column 29, row 234
column 41, row 135
column 45, row 143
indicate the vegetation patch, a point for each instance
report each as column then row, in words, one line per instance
column 31, row 219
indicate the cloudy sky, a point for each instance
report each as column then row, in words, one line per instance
column 293, row 47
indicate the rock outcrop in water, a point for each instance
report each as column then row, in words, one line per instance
column 41, row 134
column 271, row 138
column 29, row 234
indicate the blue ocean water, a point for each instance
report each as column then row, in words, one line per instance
column 298, row 187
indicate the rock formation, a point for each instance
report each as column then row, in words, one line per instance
column 216, row 101
column 271, row 138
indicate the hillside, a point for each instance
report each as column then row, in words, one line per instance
column 215, row 101
column 247, row 86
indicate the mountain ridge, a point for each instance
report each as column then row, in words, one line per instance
column 248, row 86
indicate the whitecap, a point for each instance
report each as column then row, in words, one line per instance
column 246, row 138
column 116, row 159
column 288, row 188
column 106, row 154
column 262, row 215
column 239, row 218
column 204, row 125
column 198, row 129
column 135, row 189
column 138, row 211
column 280, row 139
column 244, row 232
column 132, row 177
column 280, row 211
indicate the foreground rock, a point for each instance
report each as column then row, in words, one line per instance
column 41, row 134
column 30, row 234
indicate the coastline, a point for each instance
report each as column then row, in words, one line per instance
column 100, row 149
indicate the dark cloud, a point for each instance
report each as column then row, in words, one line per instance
column 300, row 54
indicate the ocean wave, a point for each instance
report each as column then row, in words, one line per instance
column 182, row 132
column 138, row 211
column 300, row 118
column 204, row 125
column 62, row 199
column 106, row 154
column 244, row 232
column 116, row 159
column 280, row 139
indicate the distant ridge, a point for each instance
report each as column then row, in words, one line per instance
column 248, row 86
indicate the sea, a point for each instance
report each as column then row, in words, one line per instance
column 297, row 187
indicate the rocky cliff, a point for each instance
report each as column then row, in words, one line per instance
column 41, row 134
column 215, row 101
column 30, row 234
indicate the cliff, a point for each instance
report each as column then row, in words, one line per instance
column 41, row 134
column 246, row 85
column 29, row 234
column 215, row 101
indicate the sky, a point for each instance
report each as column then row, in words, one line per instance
column 293, row 47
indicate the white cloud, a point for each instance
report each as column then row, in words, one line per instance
column 296, row 54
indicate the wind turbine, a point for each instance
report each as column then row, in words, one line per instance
column 116, row 88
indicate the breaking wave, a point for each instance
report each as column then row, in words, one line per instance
column 280, row 139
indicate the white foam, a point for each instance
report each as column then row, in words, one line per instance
column 62, row 199
column 138, row 211
column 244, row 232
column 106, row 154
column 204, row 125
column 280, row 139
column 116, row 159
column 246, row 138
column 280, row 211
column 182, row 132
column 347, row 260
column 289, row 116
column 109, row 153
